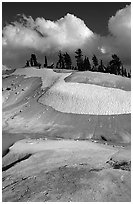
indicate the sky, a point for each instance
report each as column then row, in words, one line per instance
column 44, row 28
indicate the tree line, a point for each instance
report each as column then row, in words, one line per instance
column 114, row 66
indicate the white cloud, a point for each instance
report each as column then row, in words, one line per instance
column 120, row 24
column 119, row 39
column 20, row 36
column 42, row 34
column 68, row 34
column 120, row 27
column 67, row 31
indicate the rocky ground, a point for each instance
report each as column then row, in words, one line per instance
column 52, row 155
column 77, row 171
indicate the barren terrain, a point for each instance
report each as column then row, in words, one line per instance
column 66, row 136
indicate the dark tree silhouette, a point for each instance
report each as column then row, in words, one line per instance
column 108, row 69
column 86, row 64
column 115, row 65
column 27, row 63
column 101, row 67
column 79, row 59
column 125, row 72
column 74, row 67
column 122, row 70
column 39, row 65
column 46, row 63
column 60, row 64
column 95, row 63
column 129, row 75
column 33, row 60
column 51, row 66
column 67, row 61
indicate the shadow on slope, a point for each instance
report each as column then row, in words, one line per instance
column 101, row 79
column 24, row 116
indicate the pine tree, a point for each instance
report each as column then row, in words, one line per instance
column 88, row 64
column 60, row 64
column 115, row 65
column 122, row 71
column 27, row 63
column 67, row 61
column 85, row 64
column 39, row 65
column 101, row 67
column 79, row 59
column 125, row 72
column 33, row 60
column 72, row 67
column 46, row 63
column 95, row 63
column 129, row 76
column 107, row 69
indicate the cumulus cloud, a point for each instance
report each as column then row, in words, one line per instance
column 120, row 27
column 43, row 35
column 66, row 34
column 120, row 24
column 119, row 39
